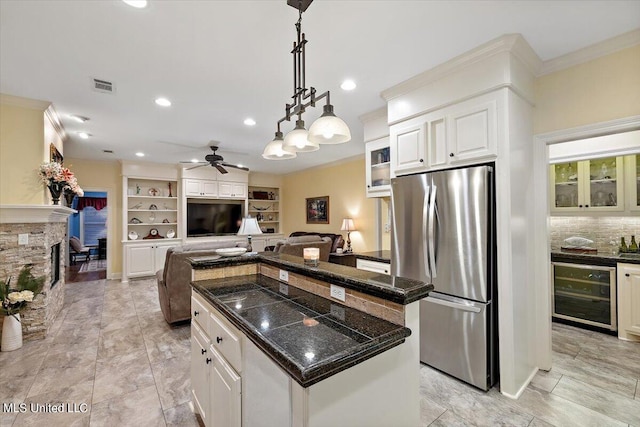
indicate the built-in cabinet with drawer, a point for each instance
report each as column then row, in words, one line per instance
column 378, row 167
column 373, row 266
column 465, row 133
column 216, row 364
column 629, row 301
column 145, row 258
column 587, row 186
column 260, row 242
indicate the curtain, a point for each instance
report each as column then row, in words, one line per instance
column 95, row 202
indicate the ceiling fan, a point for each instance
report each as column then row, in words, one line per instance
column 217, row 161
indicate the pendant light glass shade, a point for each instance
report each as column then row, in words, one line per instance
column 274, row 150
column 297, row 140
column 329, row 129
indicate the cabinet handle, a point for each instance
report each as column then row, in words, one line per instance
column 386, row 271
column 579, row 206
column 208, row 360
column 627, row 274
column 586, row 206
column 195, row 313
column 421, row 160
column 368, row 186
column 450, row 154
column 203, row 350
column 218, row 340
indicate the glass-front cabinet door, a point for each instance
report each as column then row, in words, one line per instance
column 585, row 294
column 378, row 168
column 633, row 167
column 605, row 179
column 587, row 185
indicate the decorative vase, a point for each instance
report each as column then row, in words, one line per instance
column 68, row 197
column 55, row 188
column 11, row 333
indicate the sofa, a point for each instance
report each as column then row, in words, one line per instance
column 174, row 280
column 295, row 245
column 336, row 239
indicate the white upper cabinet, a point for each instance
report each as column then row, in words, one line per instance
column 473, row 130
column 408, row 146
column 232, row 190
column 200, row 188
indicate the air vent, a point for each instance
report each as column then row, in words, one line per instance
column 103, row 86
column 108, row 151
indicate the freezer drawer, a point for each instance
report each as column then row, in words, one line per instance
column 454, row 337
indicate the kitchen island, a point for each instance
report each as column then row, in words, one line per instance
column 272, row 347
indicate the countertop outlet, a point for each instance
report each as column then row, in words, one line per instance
column 284, row 276
column 337, row 292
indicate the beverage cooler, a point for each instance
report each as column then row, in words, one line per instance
column 585, row 294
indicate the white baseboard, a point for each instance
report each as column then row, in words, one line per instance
column 524, row 386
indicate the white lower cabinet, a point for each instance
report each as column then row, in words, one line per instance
column 629, row 302
column 224, row 393
column 373, row 266
column 144, row 259
column 200, row 362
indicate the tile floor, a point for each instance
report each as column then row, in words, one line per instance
column 111, row 349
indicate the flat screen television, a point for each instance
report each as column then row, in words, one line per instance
column 213, row 217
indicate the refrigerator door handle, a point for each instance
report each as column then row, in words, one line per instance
column 425, row 233
column 454, row 304
column 432, row 228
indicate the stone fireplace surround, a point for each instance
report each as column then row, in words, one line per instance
column 45, row 226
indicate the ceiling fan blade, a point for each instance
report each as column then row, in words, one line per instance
column 199, row 166
column 220, row 168
column 244, row 168
column 193, row 163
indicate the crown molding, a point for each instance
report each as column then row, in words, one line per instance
column 18, row 101
column 373, row 115
column 54, row 118
column 511, row 43
column 589, row 53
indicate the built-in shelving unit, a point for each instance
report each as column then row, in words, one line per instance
column 264, row 204
column 150, row 204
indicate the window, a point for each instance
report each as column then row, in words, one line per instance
column 93, row 225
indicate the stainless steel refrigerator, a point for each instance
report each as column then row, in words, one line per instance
column 444, row 233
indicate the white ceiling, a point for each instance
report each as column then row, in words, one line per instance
column 220, row 62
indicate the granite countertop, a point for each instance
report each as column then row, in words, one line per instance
column 310, row 337
column 380, row 256
column 391, row 288
column 596, row 259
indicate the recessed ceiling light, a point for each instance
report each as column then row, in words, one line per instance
column 79, row 119
column 348, row 85
column 138, row 4
column 140, row 154
column 163, row 102
column 249, row 122
column 84, row 135
column 194, row 160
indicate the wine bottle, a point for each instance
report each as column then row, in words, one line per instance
column 633, row 247
column 623, row 246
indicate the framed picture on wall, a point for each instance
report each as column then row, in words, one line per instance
column 318, row 210
column 54, row 154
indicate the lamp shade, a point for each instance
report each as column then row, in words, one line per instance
column 297, row 140
column 249, row 226
column 274, row 150
column 329, row 129
column 348, row 225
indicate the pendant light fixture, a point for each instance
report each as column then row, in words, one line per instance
column 328, row 129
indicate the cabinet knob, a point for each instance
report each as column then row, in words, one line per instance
column 450, row 154
column 195, row 313
column 208, row 360
column 579, row 206
column 203, row 350
column 218, row 340
column 368, row 186
column 586, row 206
column 421, row 160
column 627, row 274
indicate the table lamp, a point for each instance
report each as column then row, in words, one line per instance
column 248, row 227
column 348, row 226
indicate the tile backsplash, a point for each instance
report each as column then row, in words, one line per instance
column 604, row 231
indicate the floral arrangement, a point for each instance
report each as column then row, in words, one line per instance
column 13, row 300
column 54, row 172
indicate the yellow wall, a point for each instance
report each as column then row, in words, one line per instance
column 604, row 89
column 344, row 183
column 21, row 153
column 95, row 175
